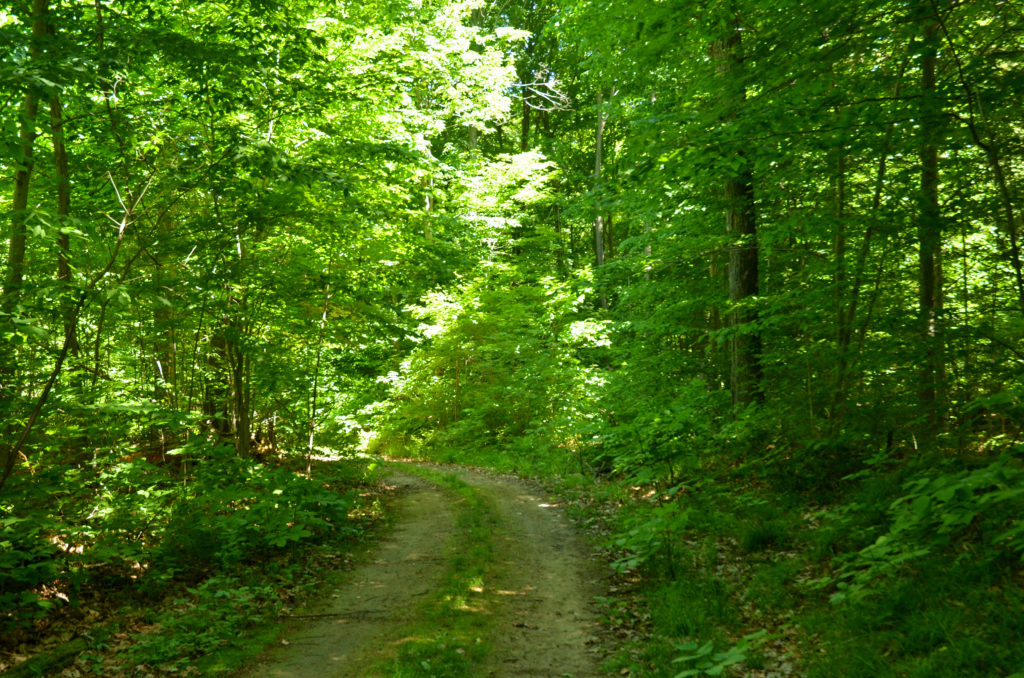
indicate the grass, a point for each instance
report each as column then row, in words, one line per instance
column 760, row 537
column 694, row 606
column 772, row 584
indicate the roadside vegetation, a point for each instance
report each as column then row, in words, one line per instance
column 187, row 566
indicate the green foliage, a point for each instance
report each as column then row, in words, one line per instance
column 971, row 514
column 128, row 521
column 235, row 511
column 267, row 200
column 920, row 572
column 645, row 535
column 706, row 662
column 29, row 559
column 940, row 620
column 214, row 615
column 489, row 375
column 257, row 193
column 653, row 442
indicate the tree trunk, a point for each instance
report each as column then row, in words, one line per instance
column 609, row 237
column 316, row 369
column 23, row 174
column 839, row 298
column 599, row 221
column 60, row 157
column 741, row 227
column 17, row 245
column 561, row 264
column 929, row 234
column 524, row 140
column 745, row 347
column 240, row 400
column 164, row 343
column 215, row 395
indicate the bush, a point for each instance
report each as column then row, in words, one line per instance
column 126, row 520
column 237, row 510
column 28, row 560
column 971, row 513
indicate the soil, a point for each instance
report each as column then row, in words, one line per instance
column 545, row 625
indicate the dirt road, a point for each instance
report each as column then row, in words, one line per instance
column 539, row 622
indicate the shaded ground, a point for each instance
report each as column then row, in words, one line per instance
column 541, row 623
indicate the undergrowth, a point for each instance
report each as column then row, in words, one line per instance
column 185, row 564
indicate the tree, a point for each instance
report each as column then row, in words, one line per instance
column 741, row 228
column 599, row 221
column 929, row 224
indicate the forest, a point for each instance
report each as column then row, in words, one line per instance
column 740, row 280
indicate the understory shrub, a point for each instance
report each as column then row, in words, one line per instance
column 924, row 577
column 965, row 514
column 129, row 521
column 236, row 510
column 29, row 559
column 208, row 617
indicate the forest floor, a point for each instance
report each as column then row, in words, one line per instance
column 481, row 575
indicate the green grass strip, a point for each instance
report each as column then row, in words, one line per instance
column 449, row 634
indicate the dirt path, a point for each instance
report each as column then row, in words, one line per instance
column 542, row 625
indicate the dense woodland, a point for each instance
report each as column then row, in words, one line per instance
column 749, row 272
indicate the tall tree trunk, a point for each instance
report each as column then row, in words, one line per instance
column 242, row 423
column 10, row 387
column 745, row 348
column 60, row 158
column 9, row 453
column 561, row 264
column 215, row 393
column 164, row 343
column 23, row 174
column 609, row 237
column 929, row 232
column 839, row 299
column 524, row 139
column 319, row 356
column 599, row 221
column 839, row 256
column 741, row 228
